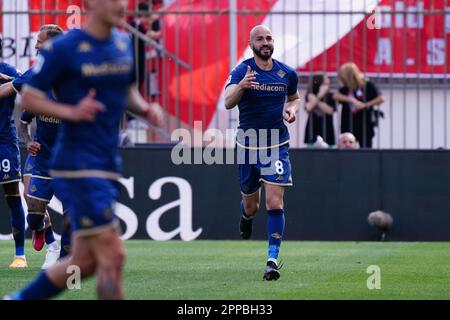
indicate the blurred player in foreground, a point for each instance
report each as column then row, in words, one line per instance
column 260, row 86
column 93, row 88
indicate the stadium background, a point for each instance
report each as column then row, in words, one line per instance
column 401, row 46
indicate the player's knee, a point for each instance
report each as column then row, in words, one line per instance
column 118, row 258
column 274, row 203
column 87, row 266
column 35, row 205
column 251, row 208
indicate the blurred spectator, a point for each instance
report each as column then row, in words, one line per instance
column 320, row 107
column 358, row 96
column 150, row 26
column 147, row 78
column 347, row 141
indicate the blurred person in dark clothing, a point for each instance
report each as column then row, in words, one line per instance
column 320, row 107
column 358, row 96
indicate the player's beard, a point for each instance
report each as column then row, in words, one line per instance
column 264, row 56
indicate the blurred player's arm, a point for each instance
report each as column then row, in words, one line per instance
column 6, row 90
column 5, row 77
column 36, row 102
column 137, row 104
column 291, row 107
column 234, row 92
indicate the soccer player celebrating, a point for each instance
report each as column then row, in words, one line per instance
column 259, row 86
column 37, row 181
column 93, row 88
column 10, row 167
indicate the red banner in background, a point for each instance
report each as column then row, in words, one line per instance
column 411, row 42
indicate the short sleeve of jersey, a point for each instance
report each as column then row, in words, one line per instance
column 293, row 84
column 26, row 117
column 48, row 67
column 237, row 74
column 23, row 79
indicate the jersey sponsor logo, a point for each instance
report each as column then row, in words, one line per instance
column 121, row 45
column 84, row 47
column 104, row 69
column 270, row 87
column 49, row 119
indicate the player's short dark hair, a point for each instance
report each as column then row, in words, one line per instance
column 51, row 30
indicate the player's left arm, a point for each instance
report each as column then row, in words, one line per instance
column 6, row 90
column 291, row 107
column 5, row 77
column 293, row 98
column 137, row 104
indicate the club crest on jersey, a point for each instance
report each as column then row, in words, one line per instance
column 84, row 47
column 6, row 177
column 121, row 45
column 86, row 222
column 33, row 188
column 281, row 73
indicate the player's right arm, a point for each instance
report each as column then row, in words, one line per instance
column 49, row 67
column 234, row 91
column 33, row 147
column 36, row 102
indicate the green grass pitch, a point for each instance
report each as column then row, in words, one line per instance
column 228, row 270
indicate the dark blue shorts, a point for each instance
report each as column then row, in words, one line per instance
column 9, row 163
column 40, row 188
column 29, row 165
column 90, row 203
column 271, row 166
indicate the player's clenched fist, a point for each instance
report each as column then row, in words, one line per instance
column 87, row 108
column 33, row 147
column 248, row 81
